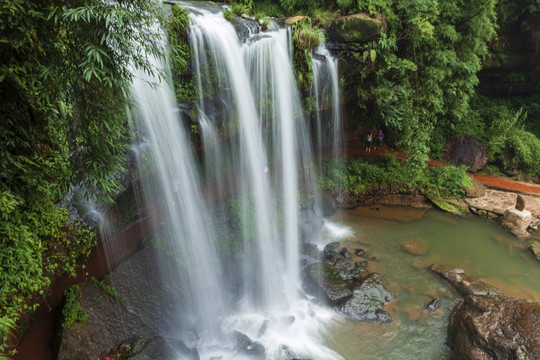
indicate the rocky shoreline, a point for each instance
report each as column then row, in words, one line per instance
column 487, row 324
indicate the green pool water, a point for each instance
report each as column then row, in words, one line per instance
column 477, row 245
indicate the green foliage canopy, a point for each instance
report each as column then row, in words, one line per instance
column 65, row 70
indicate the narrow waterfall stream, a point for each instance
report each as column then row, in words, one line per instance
column 253, row 130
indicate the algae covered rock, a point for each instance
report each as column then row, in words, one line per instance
column 369, row 300
column 354, row 29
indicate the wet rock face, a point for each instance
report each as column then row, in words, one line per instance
column 325, row 281
column 488, row 325
column 347, row 285
column 110, row 324
column 468, row 151
column 495, row 327
column 464, row 283
column 368, row 301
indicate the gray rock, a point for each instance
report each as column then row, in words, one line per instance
column 368, row 301
column 324, row 281
column 517, row 222
column 520, row 203
column 466, row 150
column 111, row 324
column 330, row 250
column 464, row 283
column 245, row 347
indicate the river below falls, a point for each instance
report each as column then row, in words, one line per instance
column 477, row 245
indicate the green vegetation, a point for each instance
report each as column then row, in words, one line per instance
column 64, row 75
column 511, row 148
column 106, row 286
column 306, row 37
column 357, row 177
column 72, row 311
column 180, row 55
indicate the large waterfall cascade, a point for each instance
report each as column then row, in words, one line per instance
column 252, row 83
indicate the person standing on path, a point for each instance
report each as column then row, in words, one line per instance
column 380, row 136
column 368, row 142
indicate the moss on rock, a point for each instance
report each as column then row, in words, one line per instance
column 354, row 29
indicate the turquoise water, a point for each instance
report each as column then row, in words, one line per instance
column 477, row 245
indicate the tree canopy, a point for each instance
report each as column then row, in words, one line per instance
column 65, row 70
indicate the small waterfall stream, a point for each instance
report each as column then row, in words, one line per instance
column 324, row 93
column 254, row 132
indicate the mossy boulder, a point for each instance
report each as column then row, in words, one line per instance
column 323, row 279
column 354, row 29
column 369, row 301
column 451, row 206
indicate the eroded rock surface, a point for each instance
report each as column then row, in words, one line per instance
column 495, row 327
column 369, row 300
column 464, row 283
column 488, row 325
column 347, row 285
column 111, row 324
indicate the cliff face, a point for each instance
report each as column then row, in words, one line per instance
column 514, row 67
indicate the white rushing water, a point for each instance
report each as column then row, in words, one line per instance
column 267, row 169
column 182, row 220
column 324, row 93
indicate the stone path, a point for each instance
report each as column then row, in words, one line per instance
column 497, row 202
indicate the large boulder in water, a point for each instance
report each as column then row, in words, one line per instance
column 323, row 280
column 488, row 325
column 495, row 327
column 466, row 150
column 369, row 301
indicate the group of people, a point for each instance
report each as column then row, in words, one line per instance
column 378, row 140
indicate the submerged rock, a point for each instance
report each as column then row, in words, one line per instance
column 368, row 301
column 415, row 246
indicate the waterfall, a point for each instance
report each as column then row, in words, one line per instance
column 257, row 154
column 174, row 198
column 324, row 93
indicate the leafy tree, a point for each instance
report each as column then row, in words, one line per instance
column 65, row 70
